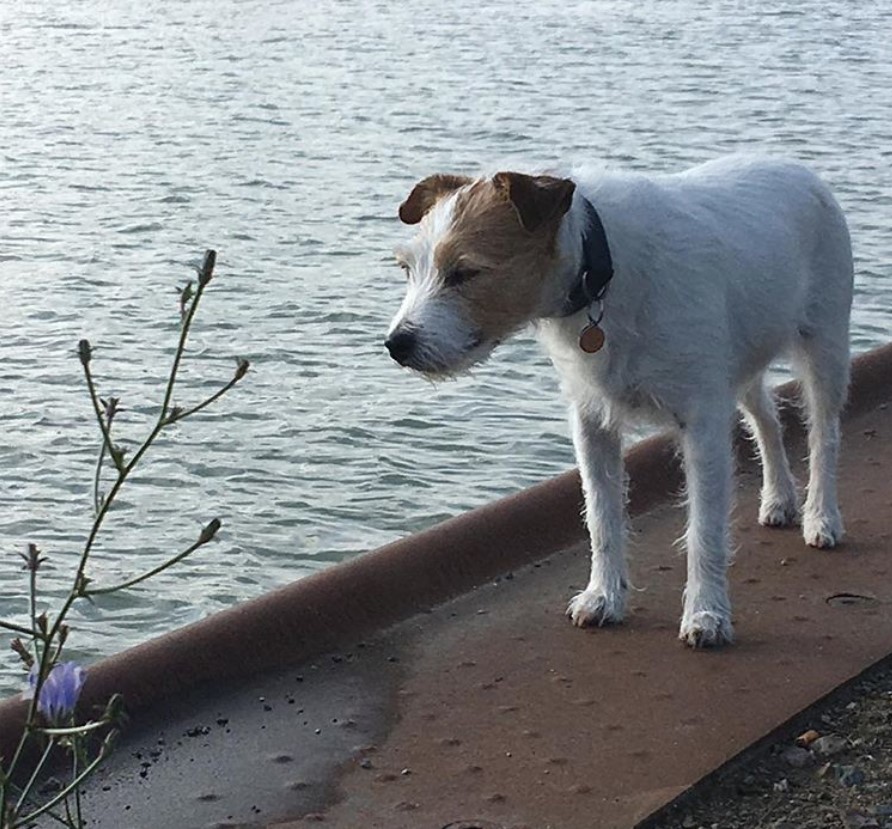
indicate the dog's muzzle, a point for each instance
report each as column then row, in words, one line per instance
column 401, row 344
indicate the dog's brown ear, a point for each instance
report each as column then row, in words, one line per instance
column 426, row 193
column 536, row 199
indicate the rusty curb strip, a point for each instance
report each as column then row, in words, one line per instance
column 399, row 579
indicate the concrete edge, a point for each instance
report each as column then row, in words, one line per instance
column 785, row 731
column 347, row 602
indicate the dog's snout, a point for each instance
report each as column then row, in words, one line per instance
column 401, row 344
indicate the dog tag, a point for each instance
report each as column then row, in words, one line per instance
column 591, row 339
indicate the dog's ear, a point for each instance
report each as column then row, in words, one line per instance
column 426, row 193
column 536, row 199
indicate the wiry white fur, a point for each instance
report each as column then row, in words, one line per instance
column 451, row 343
column 718, row 270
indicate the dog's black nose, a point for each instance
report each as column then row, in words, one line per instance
column 401, row 344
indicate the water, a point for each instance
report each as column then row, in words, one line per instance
column 285, row 133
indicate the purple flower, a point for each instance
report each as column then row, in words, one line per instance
column 60, row 691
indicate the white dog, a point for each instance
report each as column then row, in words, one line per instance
column 665, row 296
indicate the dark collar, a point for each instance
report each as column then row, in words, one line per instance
column 597, row 266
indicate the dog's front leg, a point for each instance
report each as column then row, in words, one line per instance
column 599, row 453
column 708, row 461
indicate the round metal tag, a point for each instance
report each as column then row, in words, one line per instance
column 591, row 339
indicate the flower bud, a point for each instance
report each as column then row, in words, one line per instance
column 210, row 531
column 206, row 271
column 18, row 646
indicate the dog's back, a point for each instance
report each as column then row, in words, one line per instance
column 717, row 270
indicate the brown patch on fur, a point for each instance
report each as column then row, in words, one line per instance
column 536, row 199
column 512, row 247
column 427, row 193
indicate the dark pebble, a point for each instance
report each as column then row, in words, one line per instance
column 796, row 757
column 850, row 776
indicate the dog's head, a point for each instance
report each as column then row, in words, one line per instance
column 477, row 268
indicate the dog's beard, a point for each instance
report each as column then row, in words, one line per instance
column 437, row 362
column 447, row 342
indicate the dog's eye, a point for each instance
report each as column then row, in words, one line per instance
column 458, row 275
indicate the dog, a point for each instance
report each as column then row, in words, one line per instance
column 664, row 297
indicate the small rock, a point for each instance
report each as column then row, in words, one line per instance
column 748, row 785
column 50, row 786
column 807, row 738
column 365, row 763
column 782, row 785
column 850, row 776
column 858, row 820
column 796, row 757
column 688, row 822
column 829, row 745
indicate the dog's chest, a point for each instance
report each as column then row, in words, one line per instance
column 608, row 379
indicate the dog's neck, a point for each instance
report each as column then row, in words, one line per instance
column 596, row 269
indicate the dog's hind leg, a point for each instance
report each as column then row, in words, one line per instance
column 779, row 505
column 599, row 453
column 823, row 365
column 708, row 462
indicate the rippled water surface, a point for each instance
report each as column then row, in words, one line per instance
column 284, row 133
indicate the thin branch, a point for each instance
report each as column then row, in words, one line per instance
column 32, row 605
column 75, row 729
column 63, row 794
column 75, row 752
column 206, row 535
column 205, row 274
column 181, row 414
column 97, row 475
column 80, row 581
column 204, row 277
column 26, row 791
column 85, row 351
column 19, row 629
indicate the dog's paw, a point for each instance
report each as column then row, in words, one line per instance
column 776, row 512
column 594, row 607
column 823, row 530
column 706, row 629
